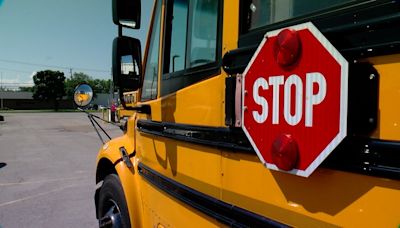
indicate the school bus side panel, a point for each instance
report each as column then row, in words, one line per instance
column 192, row 165
column 195, row 166
column 329, row 197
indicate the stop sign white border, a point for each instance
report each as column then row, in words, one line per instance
column 343, row 98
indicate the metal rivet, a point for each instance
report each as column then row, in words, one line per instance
column 371, row 76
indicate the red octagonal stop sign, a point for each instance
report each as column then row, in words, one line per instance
column 295, row 99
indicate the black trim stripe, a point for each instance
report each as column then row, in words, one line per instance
column 355, row 154
column 220, row 137
column 223, row 212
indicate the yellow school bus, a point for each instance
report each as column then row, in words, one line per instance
column 183, row 160
column 130, row 100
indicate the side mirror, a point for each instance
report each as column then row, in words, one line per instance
column 126, row 63
column 127, row 13
column 83, row 95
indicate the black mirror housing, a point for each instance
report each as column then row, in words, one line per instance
column 127, row 13
column 126, row 63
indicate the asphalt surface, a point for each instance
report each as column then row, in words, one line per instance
column 47, row 170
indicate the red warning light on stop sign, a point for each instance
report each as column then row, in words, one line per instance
column 294, row 107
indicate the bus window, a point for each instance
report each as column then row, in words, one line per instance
column 178, row 38
column 149, row 90
column 265, row 12
column 191, row 43
column 192, row 39
column 203, row 32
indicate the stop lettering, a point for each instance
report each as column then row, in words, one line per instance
column 294, row 107
column 275, row 82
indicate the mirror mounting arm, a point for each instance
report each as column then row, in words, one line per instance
column 94, row 123
column 119, row 30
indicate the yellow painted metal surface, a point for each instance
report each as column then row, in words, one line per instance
column 121, row 112
column 328, row 198
column 199, row 104
column 132, row 189
column 160, row 208
column 195, row 166
column 230, row 28
column 128, row 176
column 388, row 68
column 198, row 167
column 110, row 150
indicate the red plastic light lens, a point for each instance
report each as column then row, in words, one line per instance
column 287, row 47
column 285, row 152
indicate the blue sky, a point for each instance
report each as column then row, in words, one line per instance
column 49, row 34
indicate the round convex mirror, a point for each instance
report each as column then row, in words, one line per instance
column 83, row 95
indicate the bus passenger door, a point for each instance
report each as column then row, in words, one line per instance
column 182, row 86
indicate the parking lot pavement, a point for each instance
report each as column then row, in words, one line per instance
column 47, row 169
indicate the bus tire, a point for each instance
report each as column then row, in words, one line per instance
column 112, row 209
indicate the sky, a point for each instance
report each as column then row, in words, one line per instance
column 59, row 35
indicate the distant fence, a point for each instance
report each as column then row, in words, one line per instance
column 29, row 104
column 13, row 86
column 24, row 101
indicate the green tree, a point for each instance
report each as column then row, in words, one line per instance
column 98, row 85
column 76, row 79
column 101, row 85
column 49, row 86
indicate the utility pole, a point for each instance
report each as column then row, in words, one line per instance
column 112, row 85
column 70, row 72
column 111, row 91
column 1, row 90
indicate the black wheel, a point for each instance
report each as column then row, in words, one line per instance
column 112, row 210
